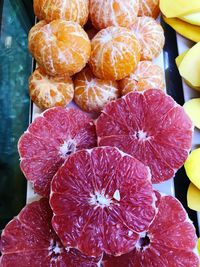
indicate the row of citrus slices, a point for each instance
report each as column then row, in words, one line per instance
column 98, row 206
column 104, row 207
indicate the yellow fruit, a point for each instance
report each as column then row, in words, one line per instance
column 190, row 31
column 192, row 108
column 177, row 8
column 193, row 197
column 190, row 66
column 192, row 167
column 198, row 246
column 180, row 58
column 193, row 18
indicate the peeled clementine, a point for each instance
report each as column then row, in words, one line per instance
column 149, row 8
column 146, row 76
column 150, row 34
column 73, row 10
column 115, row 53
column 47, row 92
column 105, row 13
column 91, row 93
column 61, row 47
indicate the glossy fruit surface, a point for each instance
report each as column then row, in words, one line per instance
column 115, row 53
column 98, row 195
column 61, row 47
column 150, row 126
column 49, row 140
column 47, row 92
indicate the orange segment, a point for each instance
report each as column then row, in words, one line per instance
column 47, row 92
column 73, row 10
column 115, row 53
column 113, row 13
column 146, row 76
column 149, row 8
column 91, row 93
column 150, row 35
column 60, row 47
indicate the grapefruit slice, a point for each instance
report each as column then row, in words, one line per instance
column 170, row 240
column 29, row 240
column 101, row 199
column 49, row 140
column 150, row 126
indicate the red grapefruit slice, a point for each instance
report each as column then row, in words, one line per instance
column 49, row 140
column 150, row 126
column 29, row 240
column 169, row 242
column 101, row 199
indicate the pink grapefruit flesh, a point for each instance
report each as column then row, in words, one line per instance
column 150, row 126
column 49, row 140
column 169, row 242
column 29, row 240
column 101, row 199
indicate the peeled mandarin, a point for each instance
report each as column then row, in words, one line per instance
column 192, row 167
column 92, row 94
column 47, row 92
column 105, row 13
column 150, row 35
column 149, row 8
column 61, row 47
column 146, row 76
column 73, row 10
column 193, row 197
column 115, row 53
column 192, row 108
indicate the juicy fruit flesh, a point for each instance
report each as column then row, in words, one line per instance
column 68, row 10
column 49, row 140
column 146, row 76
column 158, row 135
column 115, row 53
column 113, row 13
column 61, row 47
column 91, row 93
column 164, row 244
column 110, row 197
column 150, row 35
column 47, row 92
column 29, row 240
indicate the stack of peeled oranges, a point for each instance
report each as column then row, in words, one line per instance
column 117, row 43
